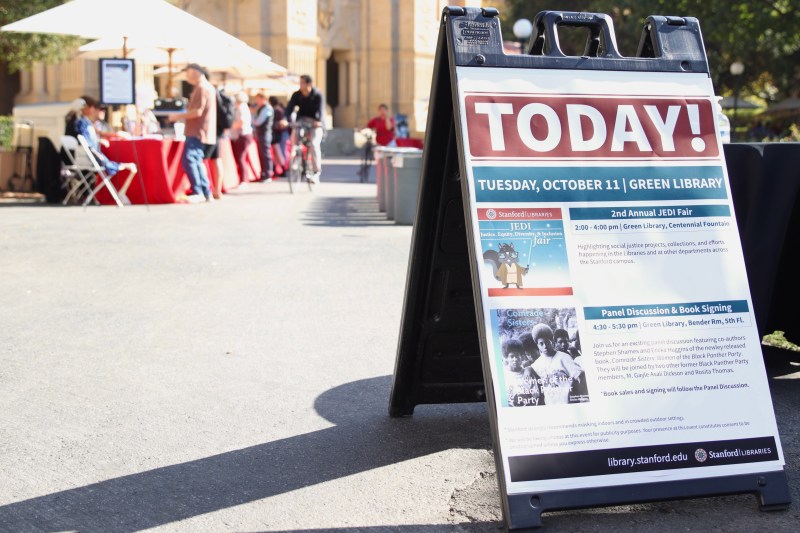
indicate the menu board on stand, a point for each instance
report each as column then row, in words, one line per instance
column 117, row 81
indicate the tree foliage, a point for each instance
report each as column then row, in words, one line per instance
column 763, row 34
column 21, row 50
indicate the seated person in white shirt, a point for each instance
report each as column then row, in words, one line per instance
column 241, row 133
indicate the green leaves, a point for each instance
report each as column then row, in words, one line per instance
column 21, row 50
column 763, row 35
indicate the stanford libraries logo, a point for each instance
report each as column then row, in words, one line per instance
column 700, row 455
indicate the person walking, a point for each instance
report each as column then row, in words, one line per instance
column 242, row 134
column 308, row 103
column 225, row 113
column 262, row 125
column 280, row 134
column 201, row 131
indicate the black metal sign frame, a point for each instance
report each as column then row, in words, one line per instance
column 442, row 352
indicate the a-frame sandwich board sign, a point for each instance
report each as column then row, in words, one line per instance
column 575, row 262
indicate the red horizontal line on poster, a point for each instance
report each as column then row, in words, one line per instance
column 503, row 126
column 540, row 291
column 520, row 213
column 577, row 159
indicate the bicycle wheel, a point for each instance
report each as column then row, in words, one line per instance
column 296, row 170
column 308, row 176
column 366, row 163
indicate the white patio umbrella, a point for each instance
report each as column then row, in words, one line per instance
column 155, row 22
column 729, row 102
column 274, row 85
column 282, row 86
column 786, row 106
column 234, row 58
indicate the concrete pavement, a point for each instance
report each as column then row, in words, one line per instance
column 227, row 367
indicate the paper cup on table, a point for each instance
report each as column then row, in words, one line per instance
column 179, row 129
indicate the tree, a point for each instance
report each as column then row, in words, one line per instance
column 21, row 50
column 763, row 34
column 570, row 41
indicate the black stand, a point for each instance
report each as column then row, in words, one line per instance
column 439, row 356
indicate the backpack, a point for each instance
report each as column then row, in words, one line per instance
column 226, row 109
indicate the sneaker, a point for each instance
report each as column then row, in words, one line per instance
column 314, row 178
column 265, row 180
column 195, row 199
column 209, row 199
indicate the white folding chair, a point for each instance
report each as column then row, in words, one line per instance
column 79, row 177
column 84, row 156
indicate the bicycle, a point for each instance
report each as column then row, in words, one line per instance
column 299, row 164
column 368, row 157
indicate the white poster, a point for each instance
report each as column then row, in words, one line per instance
column 620, row 329
column 117, row 78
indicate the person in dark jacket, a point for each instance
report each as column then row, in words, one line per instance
column 280, row 134
column 309, row 104
column 263, row 119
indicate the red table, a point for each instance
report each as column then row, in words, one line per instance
column 409, row 143
column 252, row 166
column 159, row 163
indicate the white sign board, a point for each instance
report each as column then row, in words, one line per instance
column 117, row 81
column 621, row 338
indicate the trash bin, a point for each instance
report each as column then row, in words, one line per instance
column 407, row 166
column 388, row 182
column 382, row 161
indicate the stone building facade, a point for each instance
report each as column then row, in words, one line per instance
column 361, row 53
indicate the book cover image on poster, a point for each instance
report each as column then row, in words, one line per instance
column 539, row 354
column 524, row 252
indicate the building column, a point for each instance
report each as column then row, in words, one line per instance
column 33, row 85
column 352, row 82
column 39, row 80
column 344, row 82
column 25, row 83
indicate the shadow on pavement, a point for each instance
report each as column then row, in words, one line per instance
column 364, row 438
column 424, row 528
column 345, row 211
column 25, row 203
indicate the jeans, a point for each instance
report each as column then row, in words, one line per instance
column 192, row 163
column 264, row 145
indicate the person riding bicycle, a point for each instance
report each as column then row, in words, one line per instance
column 309, row 104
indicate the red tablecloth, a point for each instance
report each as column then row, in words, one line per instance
column 409, row 143
column 159, row 163
column 252, row 168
